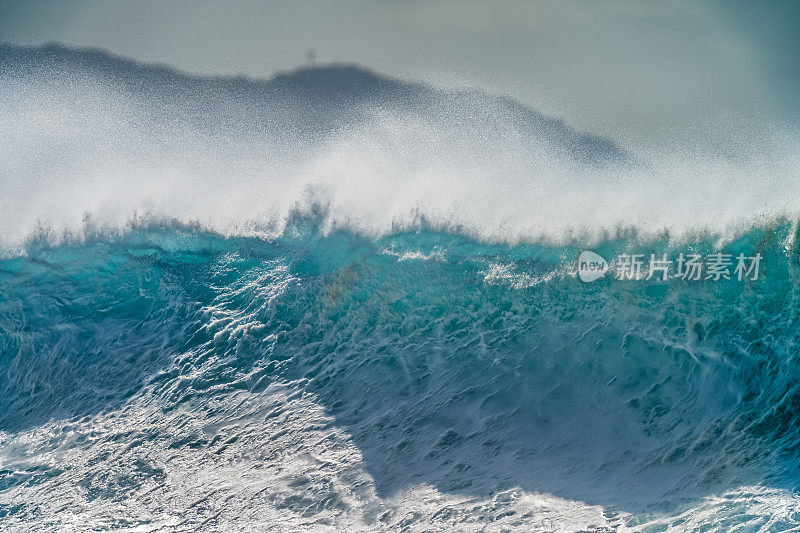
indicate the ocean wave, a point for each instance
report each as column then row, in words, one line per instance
column 333, row 300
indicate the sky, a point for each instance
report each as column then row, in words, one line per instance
column 720, row 77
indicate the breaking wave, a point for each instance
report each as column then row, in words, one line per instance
column 228, row 326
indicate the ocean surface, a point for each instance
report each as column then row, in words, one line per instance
column 373, row 321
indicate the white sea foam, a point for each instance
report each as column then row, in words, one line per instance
column 82, row 156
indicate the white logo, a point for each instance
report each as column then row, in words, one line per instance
column 591, row 266
column 692, row 267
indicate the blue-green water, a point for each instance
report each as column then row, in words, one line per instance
column 173, row 378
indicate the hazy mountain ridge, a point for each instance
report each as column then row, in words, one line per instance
column 303, row 103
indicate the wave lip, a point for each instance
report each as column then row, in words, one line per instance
column 93, row 142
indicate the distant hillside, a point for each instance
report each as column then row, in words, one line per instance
column 305, row 103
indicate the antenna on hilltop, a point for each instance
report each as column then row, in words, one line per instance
column 311, row 58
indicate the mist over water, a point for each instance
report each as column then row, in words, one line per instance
column 81, row 153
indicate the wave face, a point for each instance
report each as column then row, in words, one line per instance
column 176, row 378
column 336, row 301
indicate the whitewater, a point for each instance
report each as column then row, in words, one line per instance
column 336, row 301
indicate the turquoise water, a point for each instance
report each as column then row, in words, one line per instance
column 170, row 377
